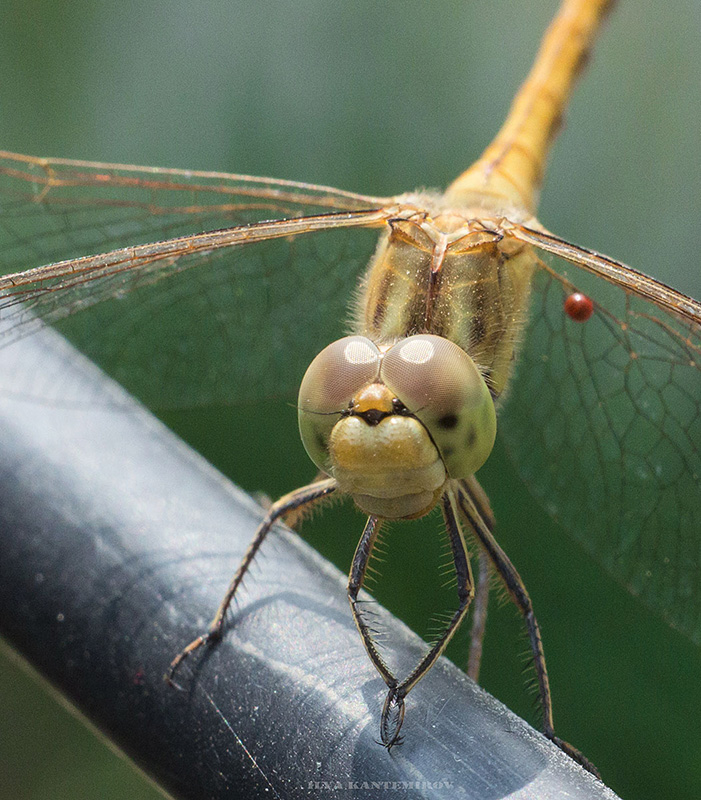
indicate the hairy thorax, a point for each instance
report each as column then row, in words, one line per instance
column 453, row 275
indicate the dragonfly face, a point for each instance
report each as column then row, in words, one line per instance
column 559, row 442
column 392, row 424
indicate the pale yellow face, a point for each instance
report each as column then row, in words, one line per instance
column 391, row 424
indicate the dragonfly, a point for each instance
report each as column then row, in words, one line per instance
column 608, row 403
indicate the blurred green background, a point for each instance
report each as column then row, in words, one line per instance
column 383, row 98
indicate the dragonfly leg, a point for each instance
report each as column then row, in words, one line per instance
column 297, row 499
column 356, row 579
column 294, row 517
column 469, row 502
column 393, row 710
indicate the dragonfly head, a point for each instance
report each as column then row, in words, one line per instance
column 393, row 423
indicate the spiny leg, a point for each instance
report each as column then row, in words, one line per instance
column 465, row 589
column 356, row 578
column 519, row 595
column 294, row 517
column 393, row 710
column 286, row 504
column 516, row 588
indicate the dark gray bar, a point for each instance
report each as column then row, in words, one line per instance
column 116, row 544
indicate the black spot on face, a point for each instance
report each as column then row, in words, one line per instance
column 448, row 421
column 471, row 437
column 373, row 416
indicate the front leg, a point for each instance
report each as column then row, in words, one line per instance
column 393, row 710
column 285, row 505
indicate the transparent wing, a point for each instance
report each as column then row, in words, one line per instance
column 603, row 420
column 254, row 299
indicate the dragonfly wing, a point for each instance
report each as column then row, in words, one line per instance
column 228, row 316
column 603, row 420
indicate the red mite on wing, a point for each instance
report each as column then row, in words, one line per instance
column 578, row 307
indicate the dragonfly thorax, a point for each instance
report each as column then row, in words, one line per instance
column 463, row 281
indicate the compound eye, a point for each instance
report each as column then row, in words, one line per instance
column 334, row 376
column 441, row 385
